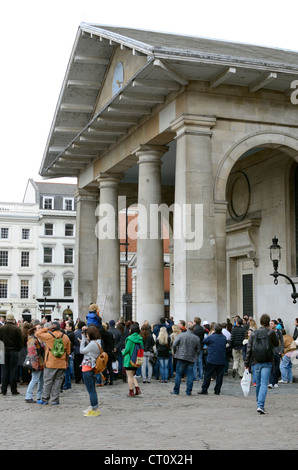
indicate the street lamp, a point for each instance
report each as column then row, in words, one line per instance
column 275, row 256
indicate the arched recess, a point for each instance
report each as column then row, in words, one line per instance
column 286, row 142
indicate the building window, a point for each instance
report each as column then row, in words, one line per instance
column 69, row 232
column 67, row 288
column 3, row 288
column 25, row 259
column 47, row 287
column 3, row 258
column 68, row 255
column 24, row 289
column 25, row 233
column 48, row 229
column 47, row 254
column 48, row 203
column 68, row 204
column 4, row 232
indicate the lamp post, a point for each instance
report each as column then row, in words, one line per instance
column 275, row 256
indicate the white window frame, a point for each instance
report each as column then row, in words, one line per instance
column 52, row 255
column 73, row 230
column 46, row 234
column 8, row 232
column 5, row 265
column 25, row 286
column 68, row 248
column 29, row 259
column 65, row 202
column 7, row 293
column 25, row 230
column 45, row 199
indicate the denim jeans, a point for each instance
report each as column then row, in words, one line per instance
column 147, row 367
column 182, row 368
column 198, row 367
column 262, row 374
column 67, row 377
column 163, row 367
column 286, row 369
column 89, row 380
column 36, row 379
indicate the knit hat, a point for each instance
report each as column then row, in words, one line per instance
column 112, row 323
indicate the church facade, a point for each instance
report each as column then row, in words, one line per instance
column 201, row 135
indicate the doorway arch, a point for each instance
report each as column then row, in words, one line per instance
column 286, row 142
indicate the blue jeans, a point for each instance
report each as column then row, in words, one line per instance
column 262, row 374
column 89, row 380
column 36, row 379
column 286, row 369
column 182, row 368
column 163, row 367
column 198, row 367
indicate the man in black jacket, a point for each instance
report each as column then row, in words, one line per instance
column 260, row 354
column 237, row 337
column 11, row 336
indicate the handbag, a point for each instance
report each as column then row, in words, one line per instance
column 152, row 360
column 27, row 363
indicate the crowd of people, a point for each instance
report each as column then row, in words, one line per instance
column 51, row 356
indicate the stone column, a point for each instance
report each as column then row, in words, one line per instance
column 150, row 264
column 108, row 248
column 85, row 281
column 194, row 256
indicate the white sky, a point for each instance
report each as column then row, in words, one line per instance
column 37, row 38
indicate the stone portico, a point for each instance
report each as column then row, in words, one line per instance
column 204, row 127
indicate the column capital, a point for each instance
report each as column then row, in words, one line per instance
column 86, row 194
column 106, row 180
column 150, row 153
column 193, row 124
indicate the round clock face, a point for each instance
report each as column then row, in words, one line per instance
column 118, row 78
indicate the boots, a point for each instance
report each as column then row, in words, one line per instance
column 138, row 391
column 131, row 393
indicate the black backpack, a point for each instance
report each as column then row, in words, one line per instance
column 262, row 350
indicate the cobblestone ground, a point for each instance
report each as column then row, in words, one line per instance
column 155, row 420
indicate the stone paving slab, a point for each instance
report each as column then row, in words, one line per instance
column 155, row 420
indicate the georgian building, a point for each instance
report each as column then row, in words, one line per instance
column 205, row 128
column 55, row 247
column 18, row 259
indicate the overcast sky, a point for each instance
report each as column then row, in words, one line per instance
column 37, row 37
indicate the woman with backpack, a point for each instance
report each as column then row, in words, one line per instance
column 131, row 341
column 90, row 347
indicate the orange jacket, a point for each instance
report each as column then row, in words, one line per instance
column 51, row 361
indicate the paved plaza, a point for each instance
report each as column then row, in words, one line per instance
column 154, row 421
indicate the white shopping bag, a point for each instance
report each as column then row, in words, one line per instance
column 245, row 382
column 2, row 353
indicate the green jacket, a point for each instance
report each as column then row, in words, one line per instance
column 130, row 342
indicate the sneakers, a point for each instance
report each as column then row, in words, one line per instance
column 262, row 411
column 283, row 382
column 29, row 400
column 41, row 402
column 92, row 413
column 272, row 386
